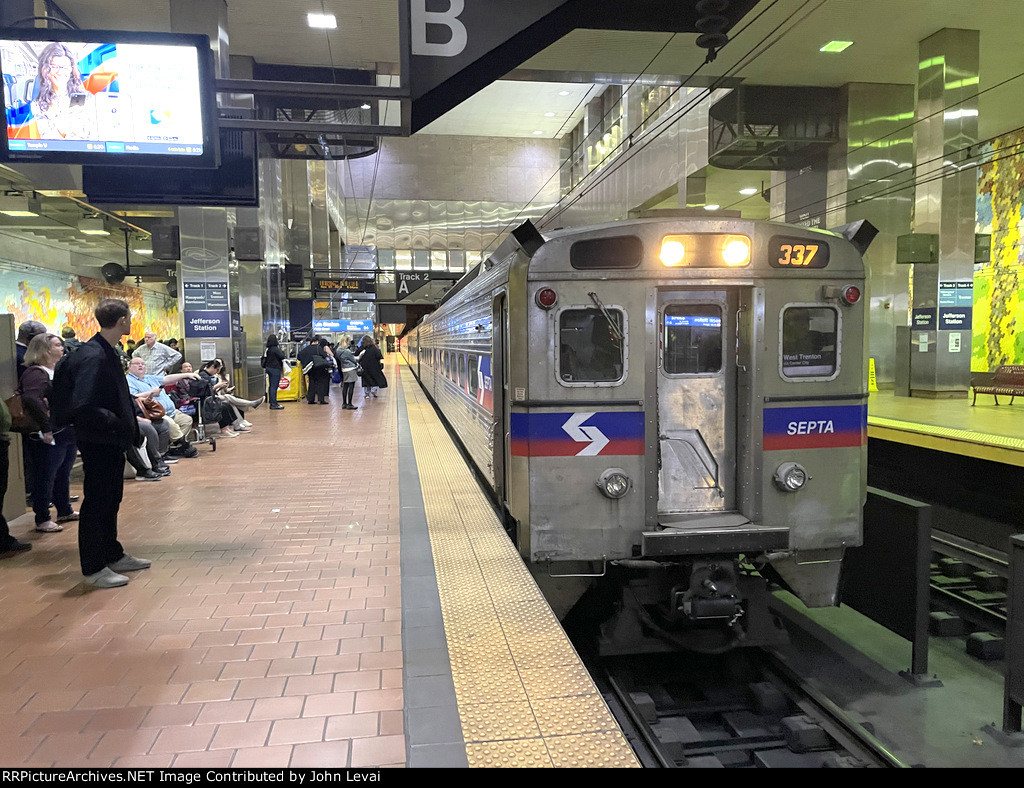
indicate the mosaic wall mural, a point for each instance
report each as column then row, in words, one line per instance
column 998, row 307
column 57, row 299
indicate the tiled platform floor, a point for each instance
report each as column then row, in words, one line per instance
column 985, row 430
column 267, row 632
column 524, row 697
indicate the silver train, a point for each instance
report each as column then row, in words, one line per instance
column 670, row 412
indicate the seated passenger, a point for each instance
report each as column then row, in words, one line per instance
column 151, row 467
column 178, row 424
column 237, row 404
column 210, row 385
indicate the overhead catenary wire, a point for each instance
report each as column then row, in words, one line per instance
column 669, row 120
column 909, row 126
column 916, row 176
column 575, row 150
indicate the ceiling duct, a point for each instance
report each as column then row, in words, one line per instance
column 766, row 127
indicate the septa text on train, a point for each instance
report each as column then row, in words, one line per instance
column 810, row 427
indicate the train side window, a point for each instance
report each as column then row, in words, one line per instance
column 692, row 340
column 447, row 364
column 810, row 341
column 471, row 371
column 590, row 345
column 462, row 370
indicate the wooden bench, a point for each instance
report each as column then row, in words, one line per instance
column 1008, row 380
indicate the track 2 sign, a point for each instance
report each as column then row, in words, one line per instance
column 410, row 283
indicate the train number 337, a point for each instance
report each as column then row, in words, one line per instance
column 797, row 254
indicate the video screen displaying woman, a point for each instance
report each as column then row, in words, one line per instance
column 63, row 108
column 103, row 97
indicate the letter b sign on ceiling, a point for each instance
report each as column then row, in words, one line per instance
column 421, row 18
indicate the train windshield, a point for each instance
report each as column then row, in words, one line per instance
column 809, row 340
column 590, row 346
column 693, row 339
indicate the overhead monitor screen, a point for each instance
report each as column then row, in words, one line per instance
column 113, row 98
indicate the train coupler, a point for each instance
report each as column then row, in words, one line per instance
column 712, row 593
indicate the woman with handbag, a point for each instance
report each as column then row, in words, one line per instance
column 317, row 366
column 370, row 359
column 350, row 369
column 50, row 454
column 209, row 386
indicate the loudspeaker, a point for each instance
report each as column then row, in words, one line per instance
column 113, row 273
column 248, row 243
column 166, row 243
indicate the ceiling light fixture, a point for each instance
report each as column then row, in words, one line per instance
column 364, row 105
column 549, row 114
column 538, row 132
column 92, row 225
column 322, row 21
column 563, row 93
column 749, row 191
column 712, row 207
column 836, row 46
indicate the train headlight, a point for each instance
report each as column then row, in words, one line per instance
column 673, row 251
column 790, row 477
column 614, row 483
column 736, row 250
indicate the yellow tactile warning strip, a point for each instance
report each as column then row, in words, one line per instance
column 986, row 446
column 524, row 698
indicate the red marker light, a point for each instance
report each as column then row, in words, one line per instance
column 851, row 294
column 547, row 298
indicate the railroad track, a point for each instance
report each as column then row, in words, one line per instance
column 969, row 581
column 738, row 710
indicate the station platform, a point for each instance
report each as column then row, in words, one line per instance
column 329, row 590
column 984, row 431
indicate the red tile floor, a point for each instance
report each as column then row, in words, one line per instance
column 267, row 632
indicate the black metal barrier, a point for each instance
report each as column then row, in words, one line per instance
column 1013, row 687
column 886, row 579
column 1013, row 694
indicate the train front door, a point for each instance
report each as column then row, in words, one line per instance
column 696, row 402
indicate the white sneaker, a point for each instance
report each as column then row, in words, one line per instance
column 106, row 578
column 227, row 434
column 239, row 428
column 246, row 423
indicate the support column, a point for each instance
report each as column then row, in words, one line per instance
column 271, row 221
column 866, row 172
column 248, row 282
column 944, row 206
column 205, row 299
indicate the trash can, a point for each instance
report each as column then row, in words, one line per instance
column 293, row 383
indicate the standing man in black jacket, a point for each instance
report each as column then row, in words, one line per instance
column 90, row 392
